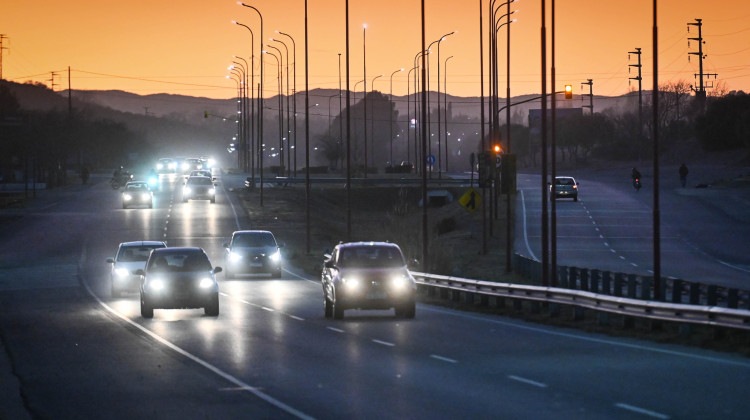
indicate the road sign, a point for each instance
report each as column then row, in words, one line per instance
column 431, row 159
column 471, row 200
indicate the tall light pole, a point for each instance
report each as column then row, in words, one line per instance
column 282, row 148
column 427, row 117
column 364, row 69
column 341, row 120
column 307, row 135
column 372, row 126
column 390, row 118
column 260, row 104
column 445, row 108
column 294, row 89
column 348, row 138
column 235, row 77
column 253, row 135
column 288, row 108
column 240, row 73
column 438, row 108
column 408, row 116
column 281, row 112
column 245, row 118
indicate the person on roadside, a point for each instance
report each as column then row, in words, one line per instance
column 683, row 175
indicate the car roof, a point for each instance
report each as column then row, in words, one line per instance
column 245, row 232
column 179, row 249
column 365, row 244
column 144, row 243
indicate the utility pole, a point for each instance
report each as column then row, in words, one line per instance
column 640, row 96
column 590, row 84
column 52, row 80
column 2, row 38
column 700, row 93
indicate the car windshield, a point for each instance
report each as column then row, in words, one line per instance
column 564, row 181
column 371, row 257
column 135, row 253
column 136, row 186
column 199, row 181
column 179, row 261
column 259, row 239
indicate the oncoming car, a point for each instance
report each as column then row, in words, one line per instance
column 367, row 275
column 251, row 252
column 137, row 193
column 166, row 166
column 565, row 187
column 179, row 278
column 199, row 188
column 131, row 256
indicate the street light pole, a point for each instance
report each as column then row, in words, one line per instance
column 341, row 120
column 288, row 117
column 282, row 148
column 348, row 138
column 260, row 104
column 253, row 136
column 438, row 108
column 294, row 89
column 390, row 118
column 364, row 67
column 408, row 115
column 245, row 118
column 372, row 122
column 445, row 108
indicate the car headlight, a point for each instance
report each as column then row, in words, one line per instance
column 159, row 166
column 121, row 272
column 185, row 166
column 212, row 191
column 156, row 285
column 186, row 190
column 127, row 197
column 351, row 283
column 234, row 257
column 206, row 283
column 145, row 196
column 275, row 257
column 399, row 283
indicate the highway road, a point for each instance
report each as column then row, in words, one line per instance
column 70, row 350
column 705, row 233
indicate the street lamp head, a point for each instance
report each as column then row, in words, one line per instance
column 364, row 25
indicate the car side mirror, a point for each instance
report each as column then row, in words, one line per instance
column 413, row 264
column 328, row 263
column 110, row 260
column 139, row 272
column 217, row 270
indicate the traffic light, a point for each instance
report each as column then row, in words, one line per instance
column 568, row 91
column 497, row 148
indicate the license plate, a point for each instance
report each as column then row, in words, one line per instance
column 376, row 295
column 256, row 265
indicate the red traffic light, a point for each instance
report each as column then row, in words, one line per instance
column 568, row 91
column 497, row 148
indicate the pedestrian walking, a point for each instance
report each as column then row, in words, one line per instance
column 683, row 175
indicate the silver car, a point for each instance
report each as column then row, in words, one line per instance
column 251, row 252
column 199, row 188
column 565, row 187
column 130, row 257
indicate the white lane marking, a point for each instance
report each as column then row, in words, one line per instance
column 296, row 317
column 444, row 359
column 335, row 330
column 613, row 251
column 265, row 308
column 385, row 343
column 527, row 381
column 634, row 264
column 540, row 330
column 643, row 411
column 242, row 385
column 732, row 266
column 525, row 233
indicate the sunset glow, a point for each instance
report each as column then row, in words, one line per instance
column 185, row 47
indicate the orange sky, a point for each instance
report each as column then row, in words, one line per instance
column 184, row 47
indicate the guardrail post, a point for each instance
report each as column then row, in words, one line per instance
column 572, row 277
column 695, row 293
column 585, row 279
column 444, row 293
column 632, row 286
column 607, row 283
column 595, row 277
column 562, row 276
column 733, row 298
column 712, row 295
column 677, row 286
column 619, row 279
column 646, row 287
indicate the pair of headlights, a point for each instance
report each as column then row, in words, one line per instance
column 211, row 191
column 235, row 257
column 157, row 285
column 129, row 197
column 397, row 283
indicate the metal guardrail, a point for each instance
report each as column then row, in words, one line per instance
column 653, row 310
column 284, row 181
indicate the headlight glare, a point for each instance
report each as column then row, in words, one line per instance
column 156, row 285
column 275, row 257
column 351, row 283
column 234, row 257
column 206, row 283
column 121, row 272
column 127, row 197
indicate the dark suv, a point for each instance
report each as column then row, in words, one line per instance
column 367, row 275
